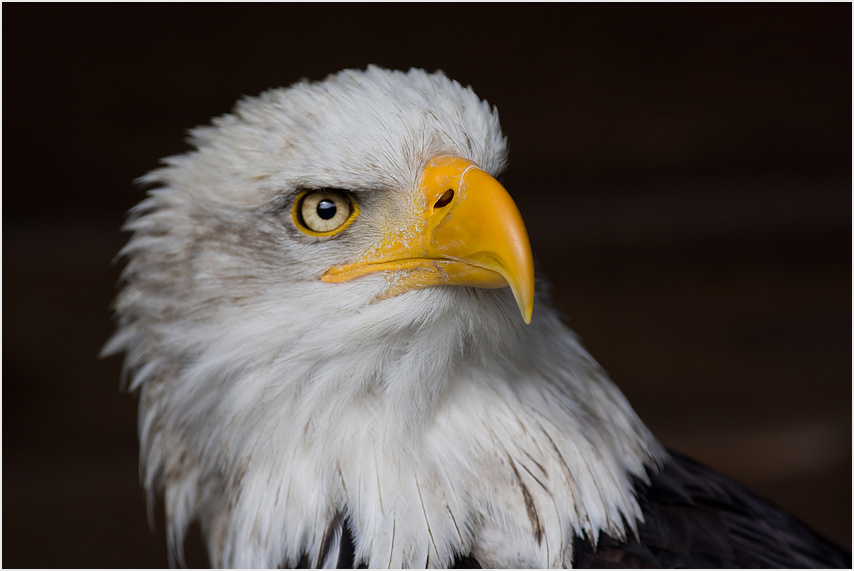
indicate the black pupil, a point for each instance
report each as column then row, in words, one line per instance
column 326, row 209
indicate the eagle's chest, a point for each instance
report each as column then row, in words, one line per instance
column 482, row 479
column 400, row 499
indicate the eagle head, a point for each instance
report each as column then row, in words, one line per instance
column 321, row 313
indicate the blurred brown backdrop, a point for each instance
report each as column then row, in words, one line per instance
column 684, row 170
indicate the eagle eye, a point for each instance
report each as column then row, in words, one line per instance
column 324, row 212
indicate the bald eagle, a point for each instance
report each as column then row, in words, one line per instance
column 321, row 314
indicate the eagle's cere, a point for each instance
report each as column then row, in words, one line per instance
column 332, row 370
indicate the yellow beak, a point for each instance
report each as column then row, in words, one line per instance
column 464, row 230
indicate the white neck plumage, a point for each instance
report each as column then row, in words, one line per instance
column 500, row 446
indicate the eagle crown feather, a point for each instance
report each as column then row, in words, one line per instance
column 276, row 409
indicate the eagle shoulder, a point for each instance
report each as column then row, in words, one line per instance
column 697, row 518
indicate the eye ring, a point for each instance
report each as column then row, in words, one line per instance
column 324, row 212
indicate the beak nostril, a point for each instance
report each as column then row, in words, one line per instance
column 445, row 199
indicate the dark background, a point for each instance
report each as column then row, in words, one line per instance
column 684, row 171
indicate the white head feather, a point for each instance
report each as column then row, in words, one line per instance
column 275, row 407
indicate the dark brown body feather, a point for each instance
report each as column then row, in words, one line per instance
column 696, row 518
